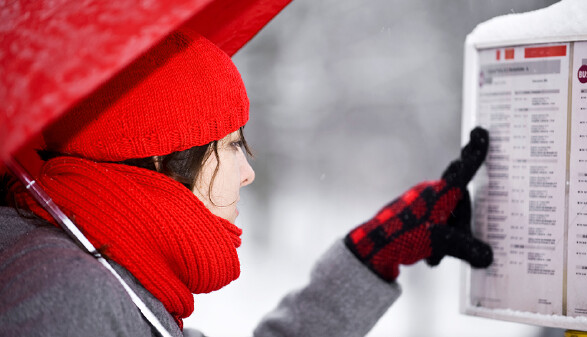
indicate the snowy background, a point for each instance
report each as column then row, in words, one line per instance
column 352, row 102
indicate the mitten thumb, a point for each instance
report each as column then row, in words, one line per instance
column 450, row 241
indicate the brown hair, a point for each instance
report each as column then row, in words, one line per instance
column 184, row 166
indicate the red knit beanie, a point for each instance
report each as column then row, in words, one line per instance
column 182, row 93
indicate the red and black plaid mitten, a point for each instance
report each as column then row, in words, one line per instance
column 429, row 221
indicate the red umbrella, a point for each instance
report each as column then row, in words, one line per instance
column 53, row 53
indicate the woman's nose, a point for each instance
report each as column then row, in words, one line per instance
column 247, row 173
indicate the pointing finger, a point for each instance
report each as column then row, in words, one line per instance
column 461, row 171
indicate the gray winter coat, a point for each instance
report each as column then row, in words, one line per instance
column 49, row 287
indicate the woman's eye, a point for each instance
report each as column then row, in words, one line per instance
column 237, row 144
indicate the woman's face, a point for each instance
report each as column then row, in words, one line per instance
column 233, row 173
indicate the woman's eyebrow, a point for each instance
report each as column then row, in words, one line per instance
column 238, row 137
column 233, row 138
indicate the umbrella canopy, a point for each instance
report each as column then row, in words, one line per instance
column 55, row 52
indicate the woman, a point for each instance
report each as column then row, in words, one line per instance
column 150, row 167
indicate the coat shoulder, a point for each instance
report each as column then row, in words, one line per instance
column 49, row 285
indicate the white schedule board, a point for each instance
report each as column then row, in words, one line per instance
column 530, row 197
column 525, row 80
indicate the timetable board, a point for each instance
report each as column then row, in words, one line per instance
column 530, row 196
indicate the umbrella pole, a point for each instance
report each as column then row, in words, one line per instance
column 77, row 236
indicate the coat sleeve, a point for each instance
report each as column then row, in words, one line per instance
column 343, row 298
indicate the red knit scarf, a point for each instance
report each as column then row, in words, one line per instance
column 146, row 222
